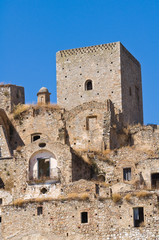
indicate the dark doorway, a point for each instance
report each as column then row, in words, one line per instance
column 138, row 216
column 155, row 180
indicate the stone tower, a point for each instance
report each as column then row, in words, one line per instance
column 10, row 96
column 98, row 73
column 43, row 96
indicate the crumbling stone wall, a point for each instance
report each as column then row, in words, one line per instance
column 10, row 96
column 41, row 120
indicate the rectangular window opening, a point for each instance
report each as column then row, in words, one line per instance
column 138, row 216
column 91, row 123
column 126, row 174
column 84, row 217
column 39, row 210
column 155, row 180
column 1, row 201
column 97, row 189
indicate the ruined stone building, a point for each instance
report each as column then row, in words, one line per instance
column 86, row 168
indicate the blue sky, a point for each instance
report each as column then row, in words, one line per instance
column 32, row 31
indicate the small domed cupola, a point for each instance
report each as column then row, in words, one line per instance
column 43, row 96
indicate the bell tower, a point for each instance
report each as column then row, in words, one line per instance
column 43, row 96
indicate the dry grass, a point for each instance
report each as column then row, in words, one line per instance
column 143, row 194
column 84, row 196
column 19, row 109
column 75, row 196
column 128, row 197
column 19, row 148
column 20, row 202
column 116, row 197
column 142, row 224
column 103, row 198
column 71, row 196
column 104, row 157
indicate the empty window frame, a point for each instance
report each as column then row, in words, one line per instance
column 155, row 180
column 43, row 167
column 39, row 210
column 84, row 217
column 35, row 137
column 1, row 201
column 138, row 214
column 91, row 123
column 88, row 85
column 126, row 174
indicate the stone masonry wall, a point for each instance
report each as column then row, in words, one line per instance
column 62, row 220
column 11, row 95
column 48, row 123
column 131, row 88
column 87, row 126
column 99, row 63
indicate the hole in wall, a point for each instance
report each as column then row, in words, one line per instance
column 42, row 145
column 43, row 190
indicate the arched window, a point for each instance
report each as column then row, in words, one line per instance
column 88, row 85
column 43, row 167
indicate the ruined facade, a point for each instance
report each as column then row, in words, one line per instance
column 86, row 168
